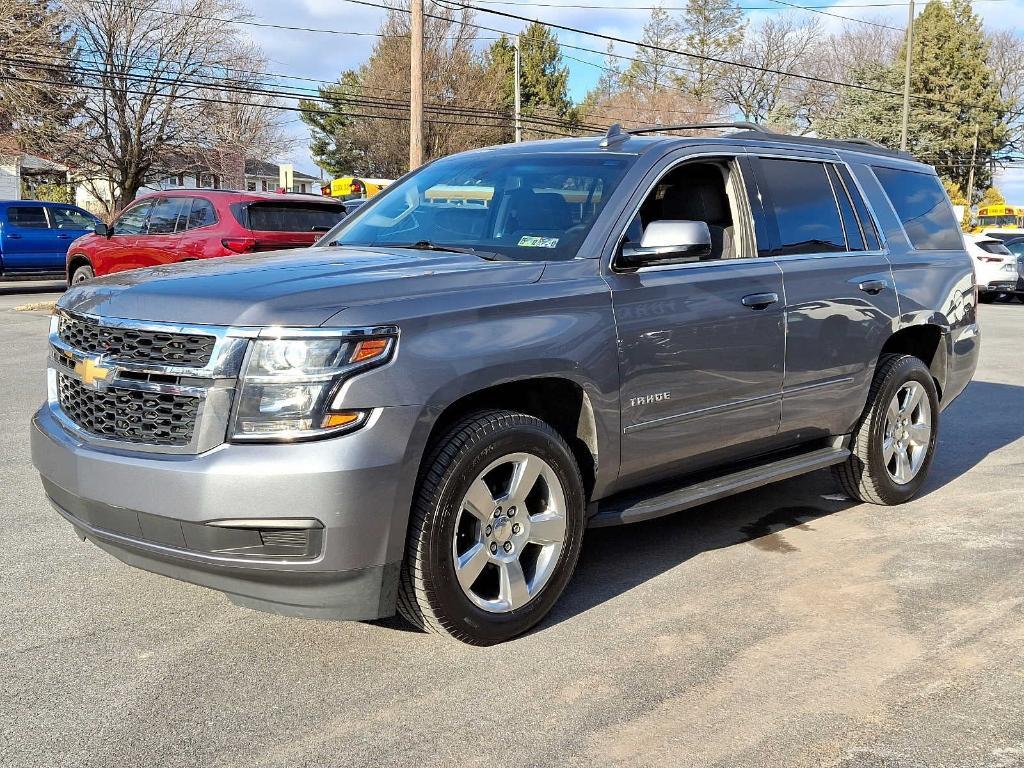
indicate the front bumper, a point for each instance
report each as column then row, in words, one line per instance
column 146, row 510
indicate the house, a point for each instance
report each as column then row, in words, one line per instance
column 260, row 176
column 21, row 172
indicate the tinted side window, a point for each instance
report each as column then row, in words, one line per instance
column 201, row 214
column 921, row 203
column 854, row 239
column 164, row 217
column 805, row 210
column 867, row 224
column 133, row 221
column 71, row 218
column 27, row 216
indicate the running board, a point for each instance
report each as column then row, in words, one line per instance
column 633, row 509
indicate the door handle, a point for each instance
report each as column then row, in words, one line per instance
column 760, row 300
column 873, row 286
column 63, row 237
column 14, row 236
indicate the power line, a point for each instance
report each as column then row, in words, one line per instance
column 663, row 49
column 236, row 87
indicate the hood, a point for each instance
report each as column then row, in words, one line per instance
column 300, row 288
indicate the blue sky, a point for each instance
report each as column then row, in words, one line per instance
column 324, row 56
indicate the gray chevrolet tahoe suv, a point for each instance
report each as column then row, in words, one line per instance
column 510, row 345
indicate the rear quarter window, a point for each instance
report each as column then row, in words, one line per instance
column 289, row 217
column 922, row 205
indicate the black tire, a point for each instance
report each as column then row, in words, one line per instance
column 430, row 596
column 81, row 274
column 986, row 298
column 864, row 475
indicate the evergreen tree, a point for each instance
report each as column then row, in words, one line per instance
column 712, row 29
column 654, row 67
column 544, row 78
column 331, row 144
column 961, row 96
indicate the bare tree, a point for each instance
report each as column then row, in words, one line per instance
column 459, row 86
column 780, row 44
column 159, row 86
column 1005, row 54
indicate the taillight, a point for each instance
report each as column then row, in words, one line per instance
column 990, row 259
column 356, row 188
column 239, row 244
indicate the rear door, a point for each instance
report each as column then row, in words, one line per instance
column 29, row 244
column 841, row 303
column 288, row 223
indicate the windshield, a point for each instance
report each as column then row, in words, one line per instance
column 536, row 207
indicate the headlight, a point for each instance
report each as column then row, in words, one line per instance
column 291, row 379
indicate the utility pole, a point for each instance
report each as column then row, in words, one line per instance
column 518, row 93
column 970, row 173
column 416, row 84
column 906, row 76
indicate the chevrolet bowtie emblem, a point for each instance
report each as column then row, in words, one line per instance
column 90, row 371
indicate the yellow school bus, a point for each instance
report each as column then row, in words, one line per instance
column 1001, row 217
column 354, row 188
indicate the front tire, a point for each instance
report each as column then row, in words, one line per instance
column 894, row 441
column 81, row 274
column 495, row 531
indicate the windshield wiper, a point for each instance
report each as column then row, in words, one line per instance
column 426, row 245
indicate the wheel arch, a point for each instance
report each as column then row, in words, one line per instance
column 925, row 341
column 75, row 261
column 561, row 402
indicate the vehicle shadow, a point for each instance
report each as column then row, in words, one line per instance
column 16, row 288
column 984, row 419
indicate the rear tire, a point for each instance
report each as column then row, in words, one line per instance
column 986, row 298
column 489, row 549
column 81, row 274
column 894, row 441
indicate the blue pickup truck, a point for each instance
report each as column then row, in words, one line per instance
column 35, row 235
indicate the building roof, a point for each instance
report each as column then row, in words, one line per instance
column 273, row 170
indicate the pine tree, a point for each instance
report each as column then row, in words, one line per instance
column 654, row 67
column 711, row 29
column 544, row 79
column 330, row 143
column 953, row 94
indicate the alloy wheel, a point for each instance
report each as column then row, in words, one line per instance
column 509, row 532
column 906, row 438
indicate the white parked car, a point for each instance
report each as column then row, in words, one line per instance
column 994, row 266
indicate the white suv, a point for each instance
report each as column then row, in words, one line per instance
column 994, row 266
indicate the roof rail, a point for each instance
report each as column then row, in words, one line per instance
column 695, row 126
column 866, row 142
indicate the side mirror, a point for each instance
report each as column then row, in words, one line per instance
column 669, row 242
column 102, row 230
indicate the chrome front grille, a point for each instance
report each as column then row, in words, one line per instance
column 144, row 386
column 130, row 415
column 135, row 344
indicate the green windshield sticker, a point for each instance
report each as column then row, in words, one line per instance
column 531, row 241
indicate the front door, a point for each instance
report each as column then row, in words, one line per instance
column 701, row 345
column 121, row 251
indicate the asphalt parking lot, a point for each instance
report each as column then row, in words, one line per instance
column 784, row 627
